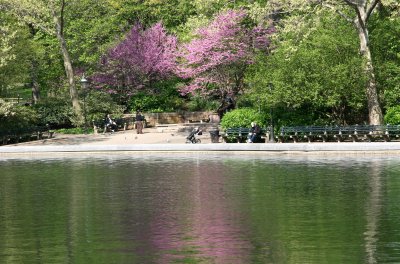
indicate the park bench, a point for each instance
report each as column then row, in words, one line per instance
column 390, row 132
column 240, row 134
column 122, row 124
column 16, row 135
column 41, row 132
column 361, row 132
column 312, row 133
column 297, row 133
column 294, row 133
column 368, row 133
column 352, row 133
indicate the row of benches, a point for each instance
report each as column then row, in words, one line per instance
column 295, row 134
column 17, row 135
column 339, row 133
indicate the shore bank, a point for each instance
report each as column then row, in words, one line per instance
column 153, row 141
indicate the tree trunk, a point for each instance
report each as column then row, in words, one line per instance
column 374, row 108
column 34, row 72
column 34, row 82
column 68, row 67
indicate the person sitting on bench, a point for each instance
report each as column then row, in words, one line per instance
column 110, row 124
column 254, row 133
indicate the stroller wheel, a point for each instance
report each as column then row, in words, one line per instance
column 197, row 140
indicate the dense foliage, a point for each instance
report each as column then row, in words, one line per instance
column 167, row 99
column 243, row 118
column 302, row 58
column 392, row 116
column 14, row 117
column 55, row 112
column 322, row 73
column 58, row 113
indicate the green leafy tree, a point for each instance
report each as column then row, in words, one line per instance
column 48, row 15
column 172, row 13
column 385, row 45
column 6, row 42
column 16, row 73
column 358, row 14
column 319, row 70
column 91, row 27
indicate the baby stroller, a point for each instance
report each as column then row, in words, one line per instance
column 192, row 136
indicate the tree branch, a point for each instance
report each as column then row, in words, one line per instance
column 62, row 16
column 350, row 3
column 371, row 8
column 361, row 21
column 347, row 18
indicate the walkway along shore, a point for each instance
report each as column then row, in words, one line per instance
column 153, row 141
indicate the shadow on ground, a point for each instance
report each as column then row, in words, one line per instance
column 65, row 140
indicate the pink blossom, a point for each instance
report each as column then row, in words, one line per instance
column 145, row 56
column 220, row 53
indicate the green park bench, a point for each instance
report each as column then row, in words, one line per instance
column 354, row 133
column 240, row 134
column 16, row 135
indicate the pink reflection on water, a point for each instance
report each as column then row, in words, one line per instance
column 201, row 222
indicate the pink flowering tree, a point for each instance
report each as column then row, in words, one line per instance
column 215, row 62
column 143, row 58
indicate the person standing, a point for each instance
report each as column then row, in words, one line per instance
column 139, row 122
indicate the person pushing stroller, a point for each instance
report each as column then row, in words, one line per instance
column 192, row 136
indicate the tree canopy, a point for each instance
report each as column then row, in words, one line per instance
column 337, row 59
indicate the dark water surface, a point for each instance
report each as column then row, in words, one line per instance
column 200, row 208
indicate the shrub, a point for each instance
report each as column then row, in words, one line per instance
column 146, row 102
column 392, row 115
column 98, row 104
column 199, row 103
column 155, row 103
column 57, row 112
column 242, row 118
column 16, row 117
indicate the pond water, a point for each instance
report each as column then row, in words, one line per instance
column 200, row 208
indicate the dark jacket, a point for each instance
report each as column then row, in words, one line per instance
column 255, row 129
column 139, row 117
